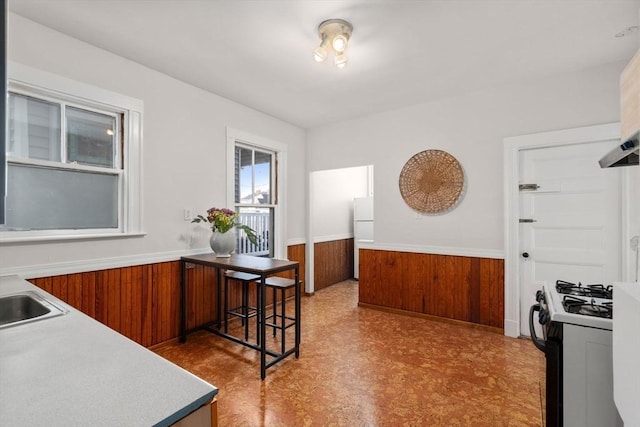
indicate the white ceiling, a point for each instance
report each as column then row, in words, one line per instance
column 259, row 53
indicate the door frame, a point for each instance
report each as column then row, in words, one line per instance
column 511, row 152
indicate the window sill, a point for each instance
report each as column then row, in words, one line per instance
column 34, row 239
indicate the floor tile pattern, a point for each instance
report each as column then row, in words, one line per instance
column 363, row 367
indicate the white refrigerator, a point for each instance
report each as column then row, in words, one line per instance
column 362, row 227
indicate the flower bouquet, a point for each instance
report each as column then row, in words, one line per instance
column 223, row 220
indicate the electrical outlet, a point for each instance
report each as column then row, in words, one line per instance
column 188, row 214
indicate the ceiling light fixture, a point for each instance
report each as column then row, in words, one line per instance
column 334, row 33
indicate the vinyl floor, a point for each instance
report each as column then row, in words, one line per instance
column 364, row 367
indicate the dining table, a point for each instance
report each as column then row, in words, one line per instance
column 259, row 266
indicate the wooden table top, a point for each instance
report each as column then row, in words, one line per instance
column 246, row 263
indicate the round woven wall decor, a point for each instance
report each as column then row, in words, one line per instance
column 432, row 182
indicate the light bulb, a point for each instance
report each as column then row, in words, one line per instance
column 339, row 43
column 341, row 60
column 320, row 54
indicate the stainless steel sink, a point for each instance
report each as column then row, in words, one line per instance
column 24, row 307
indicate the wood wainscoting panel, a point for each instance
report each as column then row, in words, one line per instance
column 333, row 262
column 297, row 253
column 453, row 287
column 140, row 302
column 143, row 302
column 492, row 292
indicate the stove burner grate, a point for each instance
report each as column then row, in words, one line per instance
column 593, row 291
column 592, row 308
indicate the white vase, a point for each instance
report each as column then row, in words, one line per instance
column 223, row 244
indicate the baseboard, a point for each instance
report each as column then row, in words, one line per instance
column 511, row 328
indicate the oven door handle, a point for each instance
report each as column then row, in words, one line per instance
column 540, row 344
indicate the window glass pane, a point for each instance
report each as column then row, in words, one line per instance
column 244, row 178
column 34, row 128
column 90, row 138
column 261, row 221
column 262, row 178
column 47, row 198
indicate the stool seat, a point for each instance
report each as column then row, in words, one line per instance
column 279, row 282
column 239, row 275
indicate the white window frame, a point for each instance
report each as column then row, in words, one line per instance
column 280, row 209
column 44, row 85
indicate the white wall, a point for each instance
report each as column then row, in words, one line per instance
column 183, row 151
column 471, row 128
column 184, row 140
column 332, row 194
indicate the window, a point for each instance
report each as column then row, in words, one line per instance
column 72, row 164
column 254, row 167
column 254, row 198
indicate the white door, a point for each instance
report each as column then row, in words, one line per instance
column 570, row 224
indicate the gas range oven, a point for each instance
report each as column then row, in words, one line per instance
column 582, row 305
column 576, row 323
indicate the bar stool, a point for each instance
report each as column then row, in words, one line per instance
column 281, row 284
column 244, row 311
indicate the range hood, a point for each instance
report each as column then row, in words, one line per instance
column 625, row 154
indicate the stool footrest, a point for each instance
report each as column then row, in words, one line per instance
column 244, row 311
column 239, row 311
column 279, row 325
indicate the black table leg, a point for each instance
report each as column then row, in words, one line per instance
column 226, row 304
column 219, row 286
column 258, row 307
column 298, row 315
column 183, row 302
column 263, row 329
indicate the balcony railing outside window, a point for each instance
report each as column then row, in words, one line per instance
column 259, row 220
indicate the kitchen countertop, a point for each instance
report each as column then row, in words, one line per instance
column 72, row 370
column 626, row 347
